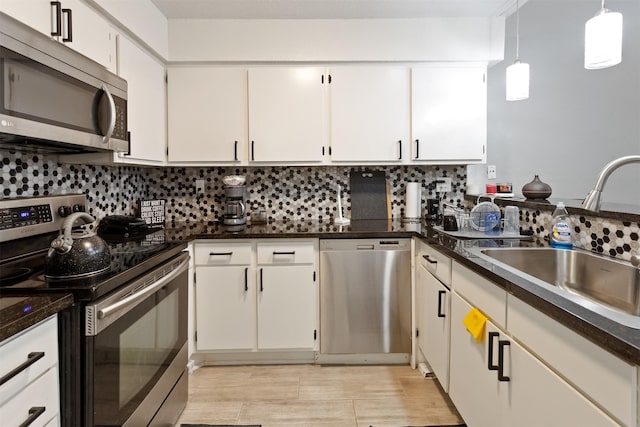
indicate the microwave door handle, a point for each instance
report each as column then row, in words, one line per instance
column 112, row 115
column 125, row 302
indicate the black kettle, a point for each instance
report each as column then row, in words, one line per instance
column 76, row 254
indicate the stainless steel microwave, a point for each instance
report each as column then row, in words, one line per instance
column 53, row 99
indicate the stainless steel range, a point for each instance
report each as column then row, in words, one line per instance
column 123, row 345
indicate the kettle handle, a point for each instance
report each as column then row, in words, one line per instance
column 64, row 241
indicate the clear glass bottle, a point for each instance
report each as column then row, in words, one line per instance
column 560, row 235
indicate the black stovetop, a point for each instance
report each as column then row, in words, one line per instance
column 21, row 268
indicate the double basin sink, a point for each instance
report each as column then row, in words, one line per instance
column 604, row 285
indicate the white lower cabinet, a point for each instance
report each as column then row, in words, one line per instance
column 254, row 295
column 32, row 395
column 498, row 382
column 225, row 308
column 434, row 311
column 286, row 314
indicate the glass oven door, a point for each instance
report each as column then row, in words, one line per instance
column 134, row 336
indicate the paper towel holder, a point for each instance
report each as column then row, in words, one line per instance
column 413, row 203
column 340, row 220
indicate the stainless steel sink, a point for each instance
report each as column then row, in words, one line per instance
column 584, row 277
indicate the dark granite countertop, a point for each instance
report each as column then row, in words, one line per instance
column 620, row 340
column 17, row 313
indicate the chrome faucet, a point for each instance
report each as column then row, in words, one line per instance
column 592, row 201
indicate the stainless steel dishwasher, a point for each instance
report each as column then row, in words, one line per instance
column 365, row 300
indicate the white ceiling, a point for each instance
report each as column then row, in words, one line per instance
column 332, row 9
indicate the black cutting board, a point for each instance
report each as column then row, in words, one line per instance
column 368, row 195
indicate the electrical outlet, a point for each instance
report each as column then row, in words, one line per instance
column 199, row 186
column 444, row 186
column 491, row 172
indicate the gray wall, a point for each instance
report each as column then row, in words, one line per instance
column 575, row 120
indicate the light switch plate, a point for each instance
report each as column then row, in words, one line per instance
column 443, row 187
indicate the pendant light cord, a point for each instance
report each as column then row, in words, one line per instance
column 518, row 31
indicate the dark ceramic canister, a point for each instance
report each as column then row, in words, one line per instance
column 536, row 189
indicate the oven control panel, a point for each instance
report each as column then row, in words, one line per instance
column 24, row 217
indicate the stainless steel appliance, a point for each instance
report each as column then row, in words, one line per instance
column 365, row 300
column 53, row 99
column 123, row 344
column 235, row 211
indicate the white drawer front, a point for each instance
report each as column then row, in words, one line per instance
column 40, row 338
column 222, row 253
column 42, row 393
column 481, row 293
column 436, row 263
column 604, row 377
column 292, row 252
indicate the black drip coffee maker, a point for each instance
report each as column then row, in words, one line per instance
column 235, row 212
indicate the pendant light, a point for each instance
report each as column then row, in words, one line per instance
column 603, row 39
column 518, row 72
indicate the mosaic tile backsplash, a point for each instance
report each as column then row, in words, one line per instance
column 285, row 193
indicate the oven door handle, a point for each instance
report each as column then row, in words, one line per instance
column 125, row 302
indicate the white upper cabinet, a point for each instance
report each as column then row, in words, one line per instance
column 449, row 114
column 207, row 114
column 71, row 22
column 369, row 113
column 92, row 34
column 145, row 104
column 287, row 114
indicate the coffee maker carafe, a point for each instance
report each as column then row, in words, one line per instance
column 235, row 212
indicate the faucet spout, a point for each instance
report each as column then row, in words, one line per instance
column 592, row 201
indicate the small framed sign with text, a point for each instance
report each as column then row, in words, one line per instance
column 152, row 211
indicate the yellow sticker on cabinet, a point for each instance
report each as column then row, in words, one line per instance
column 475, row 322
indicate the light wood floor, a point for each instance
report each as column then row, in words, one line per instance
column 316, row 396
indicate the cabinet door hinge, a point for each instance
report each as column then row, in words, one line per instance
column 417, row 333
column 315, row 334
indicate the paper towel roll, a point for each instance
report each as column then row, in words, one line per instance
column 413, row 204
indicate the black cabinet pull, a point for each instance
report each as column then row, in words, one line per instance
column 284, row 253
column 261, row 289
column 246, row 279
column 400, row 144
column 31, row 359
column 440, row 294
column 501, row 345
column 490, row 365
column 56, row 9
column 429, row 260
column 34, row 413
column 69, row 37
column 253, row 157
column 417, row 148
column 235, row 150
column 128, row 153
column 220, row 253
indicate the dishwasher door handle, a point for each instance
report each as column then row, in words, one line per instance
column 365, row 247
